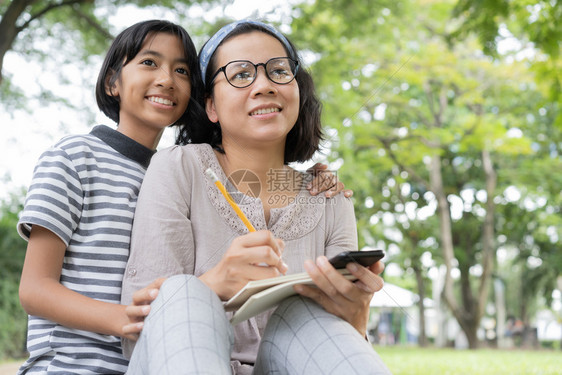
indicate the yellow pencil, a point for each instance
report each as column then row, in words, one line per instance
column 229, row 199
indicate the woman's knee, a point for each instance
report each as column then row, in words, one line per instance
column 173, row 283
column 299, row 306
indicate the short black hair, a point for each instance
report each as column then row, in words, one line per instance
column 304, row 138
column 126, row 46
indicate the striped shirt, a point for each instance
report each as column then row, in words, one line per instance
column 84, row 189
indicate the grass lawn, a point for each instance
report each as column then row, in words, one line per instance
column 416, row 361
column 403, row 360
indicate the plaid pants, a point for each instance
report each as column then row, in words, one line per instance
column 187, row 332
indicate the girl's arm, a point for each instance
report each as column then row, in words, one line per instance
column 139, row 309
column 42, row 294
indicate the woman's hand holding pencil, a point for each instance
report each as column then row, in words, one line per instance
column 253, row 256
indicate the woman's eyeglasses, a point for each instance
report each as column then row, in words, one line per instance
column 242, row 73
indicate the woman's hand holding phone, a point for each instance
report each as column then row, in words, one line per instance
column 339, row 296
column 364, row 258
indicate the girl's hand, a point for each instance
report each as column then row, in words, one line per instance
column 341, row 297
column 254, row 256
column 139, row 309
column 325, row 181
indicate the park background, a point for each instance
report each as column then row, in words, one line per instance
column 443, row 116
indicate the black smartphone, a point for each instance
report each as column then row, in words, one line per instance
column 364, row 258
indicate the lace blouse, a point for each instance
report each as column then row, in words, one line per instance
column 183, row 225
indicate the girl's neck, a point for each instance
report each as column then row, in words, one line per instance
column 147, row 137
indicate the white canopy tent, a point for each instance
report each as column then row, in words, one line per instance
column 393, row 303
column 393, row 296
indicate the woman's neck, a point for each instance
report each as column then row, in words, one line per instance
column 259, row 160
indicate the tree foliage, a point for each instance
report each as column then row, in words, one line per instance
column 67, row 30
column 537, row 21
column 427, row 129
column 13, row 320
column 531, row 224
column 533, row 24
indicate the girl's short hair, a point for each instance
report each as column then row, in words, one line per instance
column 126, row 46
column 304, row 138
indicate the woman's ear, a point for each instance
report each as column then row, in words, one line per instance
column 211, row 110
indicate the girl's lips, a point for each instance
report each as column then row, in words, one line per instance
column 160, row 100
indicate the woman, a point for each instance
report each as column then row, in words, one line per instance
column 264, row 115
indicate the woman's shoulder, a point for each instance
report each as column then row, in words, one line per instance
column 190, row 148
column 338, row 201
column 185, row 161
column 183, row 152
column 306, row 212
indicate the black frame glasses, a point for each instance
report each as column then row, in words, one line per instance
column 280, row 70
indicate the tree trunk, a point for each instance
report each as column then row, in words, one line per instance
column 499, row 294
column 445, row 228
column 422, row 338
column 559, row 286
column 9, row 29
column 446, row 233
column 488, row 246
column 470, row 315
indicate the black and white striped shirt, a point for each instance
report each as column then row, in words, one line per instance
column 85, row 190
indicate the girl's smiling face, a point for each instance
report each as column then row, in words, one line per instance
column 154, row 87
column 262, row 113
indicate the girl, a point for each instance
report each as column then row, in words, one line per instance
column 264, row 114
column 79, row 208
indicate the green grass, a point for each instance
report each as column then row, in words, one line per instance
column 403, row 360
column 416, row 361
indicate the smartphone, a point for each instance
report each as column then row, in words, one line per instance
column 364, row 258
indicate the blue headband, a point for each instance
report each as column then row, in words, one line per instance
column 211, row 46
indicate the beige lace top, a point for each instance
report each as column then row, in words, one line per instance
column 183, row 224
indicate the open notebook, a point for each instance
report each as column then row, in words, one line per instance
column 261, row 295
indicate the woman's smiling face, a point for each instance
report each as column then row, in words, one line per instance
column 262, row 113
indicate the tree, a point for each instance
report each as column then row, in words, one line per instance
column 537, row 21
column 440, row 116
column 21, row 17
column 13, row 320
column 533, row 24
column 27, row 26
